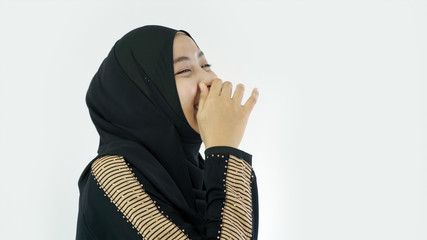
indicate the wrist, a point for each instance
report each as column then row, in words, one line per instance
column 221, row 145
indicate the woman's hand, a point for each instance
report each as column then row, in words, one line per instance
column 221, row 119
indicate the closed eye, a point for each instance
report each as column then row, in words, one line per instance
column 185, row 70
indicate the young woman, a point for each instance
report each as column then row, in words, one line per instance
column 153, row 101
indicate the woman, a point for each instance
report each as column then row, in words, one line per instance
column 153, row 101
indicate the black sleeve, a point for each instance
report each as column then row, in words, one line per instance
column 114, row 203
column 231, row 195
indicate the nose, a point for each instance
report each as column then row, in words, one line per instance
column 209, row 83
column 208, row 79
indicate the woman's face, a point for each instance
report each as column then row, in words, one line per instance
column 190, row 68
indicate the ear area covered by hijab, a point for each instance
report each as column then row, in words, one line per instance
column 134, row 105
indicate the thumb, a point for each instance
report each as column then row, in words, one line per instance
column 203, row 94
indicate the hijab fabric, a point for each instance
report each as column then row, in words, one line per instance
column 134, row 104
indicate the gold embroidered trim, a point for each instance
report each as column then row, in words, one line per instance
column 237, row 210
column 124, row 190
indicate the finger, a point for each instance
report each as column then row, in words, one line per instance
column 215, row 88
column 203, row 94
column 227, row 88
column 250, row 103
column 238, row 94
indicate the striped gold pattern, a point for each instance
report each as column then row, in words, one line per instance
column 237, row 210
column 115, row 177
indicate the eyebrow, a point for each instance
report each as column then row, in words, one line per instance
column 183, row 58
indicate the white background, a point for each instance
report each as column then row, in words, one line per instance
column 338, row 136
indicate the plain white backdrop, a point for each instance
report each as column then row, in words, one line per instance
column 338, row 136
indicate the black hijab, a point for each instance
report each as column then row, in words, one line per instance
column 133, row 102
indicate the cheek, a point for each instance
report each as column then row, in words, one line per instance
column 187, row 93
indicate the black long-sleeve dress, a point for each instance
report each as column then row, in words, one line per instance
column 121, row 208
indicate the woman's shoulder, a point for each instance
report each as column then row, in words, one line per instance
column 111, row 165
column 107, row 160
column 120, row 185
